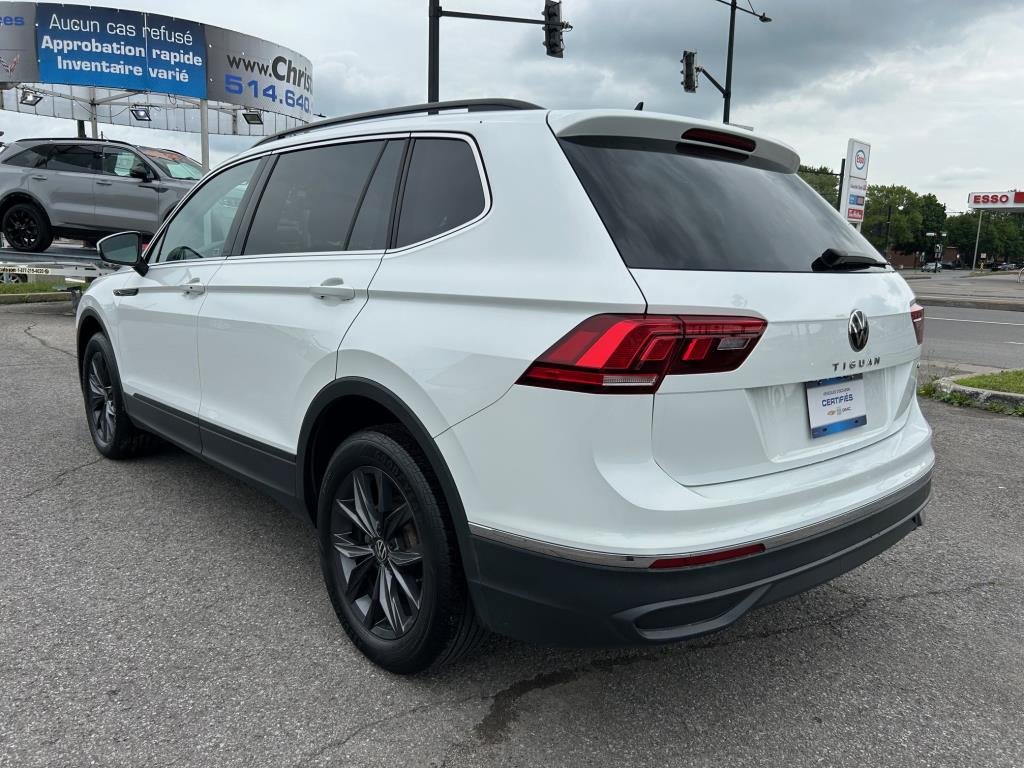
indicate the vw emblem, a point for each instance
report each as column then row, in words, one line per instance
column 380, row 550
column 858, row 330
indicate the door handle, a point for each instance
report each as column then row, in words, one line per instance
column 40, row 178
column 104, row 183
column 335, row 288
column 193, row 287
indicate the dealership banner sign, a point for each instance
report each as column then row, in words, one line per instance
column 854, row 191
column 51, row 43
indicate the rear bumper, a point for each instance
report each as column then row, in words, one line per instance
column 531, row 594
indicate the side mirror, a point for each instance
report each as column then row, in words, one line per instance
column 141, row 172
column 124, row 248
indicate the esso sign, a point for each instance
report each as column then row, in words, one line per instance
column 860, row 160
column 1011, row 199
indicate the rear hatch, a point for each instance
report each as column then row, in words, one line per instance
column 717, row 222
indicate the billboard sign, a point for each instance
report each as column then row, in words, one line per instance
column 855, row 180
column 1009, row 200
column 82, row 45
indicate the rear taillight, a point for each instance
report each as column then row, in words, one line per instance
column 630, row 354
column 917, row 318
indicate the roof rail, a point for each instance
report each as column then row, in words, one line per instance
column 471, row 105
column 74, row 139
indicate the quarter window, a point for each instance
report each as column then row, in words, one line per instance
column 443, row 190
column 311, row 199
column 31, row 158
column 199, row 230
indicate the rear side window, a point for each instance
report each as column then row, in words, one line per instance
column 74, row 157
column 443, row 190
column 30, row 158
column 311, row 199
column 667, row 207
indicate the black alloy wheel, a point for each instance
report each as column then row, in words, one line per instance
column 99, row 394
column 113, row 432
column 377, row 552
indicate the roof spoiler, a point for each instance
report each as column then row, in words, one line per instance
column 651, row 125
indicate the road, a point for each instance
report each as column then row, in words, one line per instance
column 157, row 612
column 976, row 337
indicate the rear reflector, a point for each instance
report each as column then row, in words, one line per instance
column 720, row 139
column 917, row 318
column 633, row 353
column 707, row 558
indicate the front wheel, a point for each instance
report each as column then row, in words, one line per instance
column 113, row 433
column 389, row 554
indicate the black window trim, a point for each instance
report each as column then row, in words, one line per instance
column 484, row 185
column 272, row 155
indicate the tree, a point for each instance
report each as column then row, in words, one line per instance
column 823, row 180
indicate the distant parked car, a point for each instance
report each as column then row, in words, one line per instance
column 932, row 266
column 1009, row 267
column 85, row 189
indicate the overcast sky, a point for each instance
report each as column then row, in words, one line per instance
column 932, row 85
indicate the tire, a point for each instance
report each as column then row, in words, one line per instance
column 113, row 433
column 406, row 608
column 12, row 277
column 26, row 228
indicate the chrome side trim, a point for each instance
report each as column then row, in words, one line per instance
column 624, row 560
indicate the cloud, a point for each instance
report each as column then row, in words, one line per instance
column 931, row 84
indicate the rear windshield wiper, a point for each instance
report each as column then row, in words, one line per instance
column 833, row 260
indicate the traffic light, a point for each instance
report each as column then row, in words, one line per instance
column 689, row 71
column 553, row 28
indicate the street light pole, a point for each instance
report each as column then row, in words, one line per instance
column 728, row 63
column 433, row 45
column 977, row 239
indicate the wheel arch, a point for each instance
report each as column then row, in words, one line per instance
column 343, row 407
column 21, row 196
column 89, row 323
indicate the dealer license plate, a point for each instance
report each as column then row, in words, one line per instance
column 835, row 405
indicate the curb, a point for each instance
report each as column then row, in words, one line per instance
column 979, row 397
column 1006, row 305
column 33, row 298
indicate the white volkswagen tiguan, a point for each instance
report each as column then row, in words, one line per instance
column 591, row 377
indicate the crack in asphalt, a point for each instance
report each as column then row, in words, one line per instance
column 58, row 479
column 28, row 332
column 497, row 723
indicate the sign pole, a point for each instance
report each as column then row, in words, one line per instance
column 977, row 238
column 204, row 133
column 92, row 113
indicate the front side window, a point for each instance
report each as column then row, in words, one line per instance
column 77, row 158
column 200, row 228
column 443, row 190
column 311, row 198
column 119, row 162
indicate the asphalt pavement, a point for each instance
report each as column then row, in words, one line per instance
column 972, row 339
column 158, row 613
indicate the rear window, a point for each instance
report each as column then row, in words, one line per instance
column 667, row 206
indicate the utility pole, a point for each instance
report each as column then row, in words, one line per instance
column 552, row 23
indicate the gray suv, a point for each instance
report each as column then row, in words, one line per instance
column 85, row 189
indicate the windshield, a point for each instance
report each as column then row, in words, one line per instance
column 668, row 207
column 174, row 164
